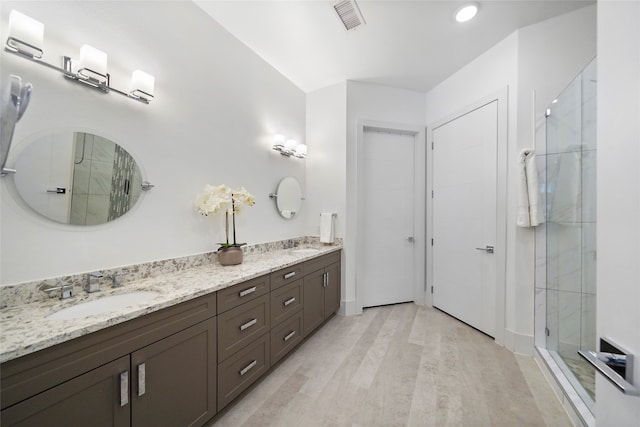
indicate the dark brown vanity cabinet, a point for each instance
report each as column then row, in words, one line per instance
column 177, row 366
column 159, row 369
column 243, row 337
column 321, row 290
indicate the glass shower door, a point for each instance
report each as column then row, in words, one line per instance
column 570, row 184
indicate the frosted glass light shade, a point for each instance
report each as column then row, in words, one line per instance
column 26, row 30
column 142, row 84
column 93, row 59
column 290, row 145
column 301, row 151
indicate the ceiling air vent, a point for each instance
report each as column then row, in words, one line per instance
column 349, row 14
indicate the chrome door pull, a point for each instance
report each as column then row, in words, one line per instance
column 249, row 324
column 291, row 274
column 289, row 301
column 124, row 388
column 248, row 291
column 248, row 367
column 488, row 249
column 142, row 389
column 289, row 336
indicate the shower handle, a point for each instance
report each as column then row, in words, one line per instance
column 488, row 249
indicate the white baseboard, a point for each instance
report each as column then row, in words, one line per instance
column 519, row 343
column 349, row 308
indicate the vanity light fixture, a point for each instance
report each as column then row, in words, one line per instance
column 26, row 40
column 289, row 147
column 466, row 12
column 25, row 35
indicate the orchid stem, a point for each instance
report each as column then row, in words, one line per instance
column 226, row 225
column 233, row 214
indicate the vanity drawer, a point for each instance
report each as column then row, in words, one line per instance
column 239, row 294
column 242, row 369
column 286, row 301
column 321, row 262
column 286, row 275
column 285, row 337
column 242, row 325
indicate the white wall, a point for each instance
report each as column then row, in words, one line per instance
column 217, row 106
column 326, row 165
column 543, row 57
column 618, row 299
column 326, row 111
column 384, row 105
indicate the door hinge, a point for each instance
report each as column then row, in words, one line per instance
column 432, row 142
column 431, row 242
column 546, row 331
column 432, row 289
column 432, row 193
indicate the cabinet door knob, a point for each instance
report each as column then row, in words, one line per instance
column 142, row 389
column 124, row 388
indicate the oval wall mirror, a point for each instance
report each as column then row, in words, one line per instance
column 289, row 197
column 77, row 178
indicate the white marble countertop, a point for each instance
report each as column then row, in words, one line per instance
column 26, row 329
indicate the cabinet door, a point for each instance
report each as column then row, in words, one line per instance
column 174, row 380
column 313, row 298
column 92, row 399
column 332, row 290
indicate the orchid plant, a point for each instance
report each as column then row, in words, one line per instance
column 217, row 198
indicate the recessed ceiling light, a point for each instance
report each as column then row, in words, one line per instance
column 466, row 12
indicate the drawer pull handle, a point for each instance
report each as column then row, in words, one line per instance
column 248, row 291
column 249, row 324
column 248, row 367
column 289, row 336
column 289, row 301
column 124, row 388
column 142, row 388
column 288, row 275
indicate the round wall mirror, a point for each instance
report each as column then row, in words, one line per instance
column 77, row 178
column 289, row 197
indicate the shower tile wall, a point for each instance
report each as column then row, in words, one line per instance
column 91, row 179
column 566, row 243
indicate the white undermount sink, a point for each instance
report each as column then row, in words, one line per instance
column 305, row 251
column 103, row 305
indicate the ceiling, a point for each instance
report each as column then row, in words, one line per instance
column 407, row 44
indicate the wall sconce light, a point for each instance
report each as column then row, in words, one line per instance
column 289, row 147
column 26, row 40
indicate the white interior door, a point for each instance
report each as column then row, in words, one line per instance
column 388, row 218
column 464, row 217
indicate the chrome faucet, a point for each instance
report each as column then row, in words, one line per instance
column 66, row 291
column 93, row 281
column 116, row 281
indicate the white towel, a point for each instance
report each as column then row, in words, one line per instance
column 327, row 234
column 529, row 209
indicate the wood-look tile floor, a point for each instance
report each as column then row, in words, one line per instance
column 400, row 365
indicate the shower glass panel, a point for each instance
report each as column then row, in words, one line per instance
column 569, row 263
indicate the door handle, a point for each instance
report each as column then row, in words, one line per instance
column 489, row 249
column 411, row 239
column 142, row 380
column 124, row 388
